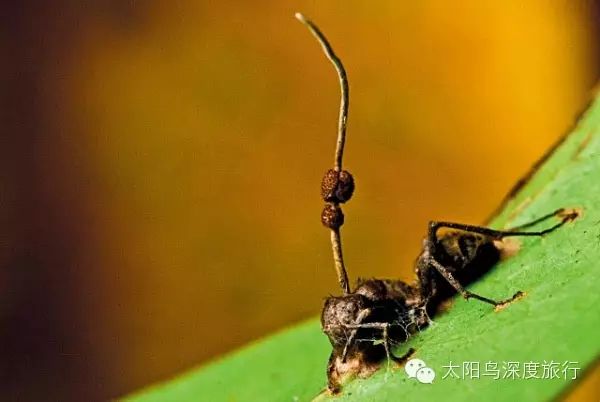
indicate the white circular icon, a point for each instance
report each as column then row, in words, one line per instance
column 425, row 375
column 416, row 368
column 412, row 366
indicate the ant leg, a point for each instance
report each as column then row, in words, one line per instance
column 389, row 354
column 558, row 212
column 465, row 293
column 434, row 226
column 386, row 345
column 384, row 327
column 404, row 357
column 358, row 324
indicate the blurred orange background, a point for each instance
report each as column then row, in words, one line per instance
column 161, row 164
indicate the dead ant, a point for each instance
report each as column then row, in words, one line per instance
column 391, row 310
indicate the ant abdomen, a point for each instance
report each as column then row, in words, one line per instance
column 459, row 250
column 468, row 256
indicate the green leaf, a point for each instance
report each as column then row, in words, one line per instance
column 557, row 321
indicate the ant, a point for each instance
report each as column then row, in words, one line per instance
column 390, row 311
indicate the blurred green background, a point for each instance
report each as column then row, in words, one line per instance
column 161, row 160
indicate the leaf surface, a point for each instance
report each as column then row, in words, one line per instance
column 557, row 321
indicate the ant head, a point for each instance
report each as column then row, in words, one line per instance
column 339, row 312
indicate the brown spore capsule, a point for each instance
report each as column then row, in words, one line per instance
column 332, row 216
column 337, row 186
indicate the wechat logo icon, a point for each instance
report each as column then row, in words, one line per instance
column 416, row 368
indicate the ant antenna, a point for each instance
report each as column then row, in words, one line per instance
column 337, row 185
